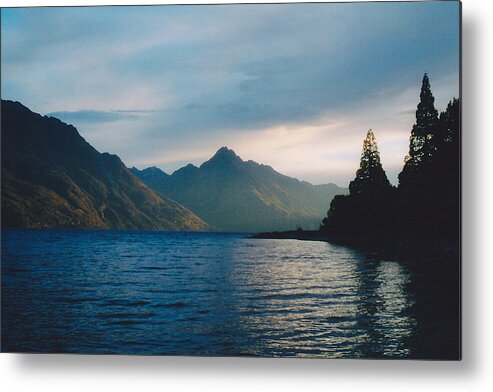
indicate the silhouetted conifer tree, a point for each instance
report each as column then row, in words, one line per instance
column 425, row 210
column 429, row 184
column 424, row 141
column 367, row 209
column 370, row 176
column 445, row 189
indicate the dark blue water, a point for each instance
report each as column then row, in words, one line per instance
column 200, row 294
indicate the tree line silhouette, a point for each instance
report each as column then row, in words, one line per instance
column 426, row 204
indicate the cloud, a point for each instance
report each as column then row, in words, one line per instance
column 98, row 116
column 170, row 84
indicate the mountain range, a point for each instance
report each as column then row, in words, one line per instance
column 243, row 196
column 51, row 177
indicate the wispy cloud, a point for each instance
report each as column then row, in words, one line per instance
column 163, row 85
column 99, row 116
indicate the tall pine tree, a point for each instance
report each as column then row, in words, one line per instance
column 424, row 138
column 429, row 181
column 425, row 209
column 368, row 209
column 370, row 176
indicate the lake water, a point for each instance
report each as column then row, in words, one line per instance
column 207, row 294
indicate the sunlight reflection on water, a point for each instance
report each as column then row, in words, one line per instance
column 319, row 299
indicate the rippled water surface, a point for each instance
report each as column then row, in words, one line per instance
column 199, row 294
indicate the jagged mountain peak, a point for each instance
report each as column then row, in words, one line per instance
column 225, row 151
column 223, row 156
column 245, row 196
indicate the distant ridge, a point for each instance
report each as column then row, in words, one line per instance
column 243, row 196
column 51, row 177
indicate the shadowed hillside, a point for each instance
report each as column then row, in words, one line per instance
column 51, row 177
column 233, row 195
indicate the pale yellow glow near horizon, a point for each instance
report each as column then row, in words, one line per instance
column 324, row 149
column 328, row 148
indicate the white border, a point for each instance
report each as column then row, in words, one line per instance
column 123, row 373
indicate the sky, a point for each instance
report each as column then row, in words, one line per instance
column 293, row 86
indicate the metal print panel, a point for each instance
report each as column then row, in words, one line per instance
column 273, row 180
